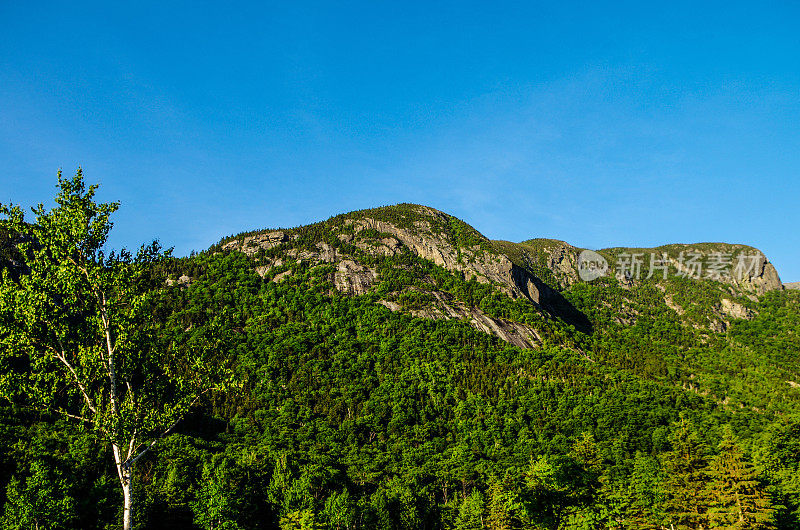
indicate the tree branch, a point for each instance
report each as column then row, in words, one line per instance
column 112, row 374
column 60, row 356
column 76, row 417
column 119, row 464
column 130, row 445
column 130, row 461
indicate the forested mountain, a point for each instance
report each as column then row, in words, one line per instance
column 394, row 368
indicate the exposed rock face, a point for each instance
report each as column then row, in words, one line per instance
column 394, row 306
column 387, row 246
column 481, row 261
column 563, row 261
column 282, row 276
column 559, row 257
column 535, row 270
column 487, row 267
column 327, row 253
column 429, row 236
column 734, row 310
column 353, row 278
column 767, row 279
column 182, row 281
column 744, row 268
column 672, row 305
column 269, row 264
column 445, row 307
column 254, row 243
column 793, row 285
column 753, row 272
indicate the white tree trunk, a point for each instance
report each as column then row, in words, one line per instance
column 127, row 513
column 126, row 481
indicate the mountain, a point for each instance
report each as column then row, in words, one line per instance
column 537, row 270
column 394, row 368
column 355, row 241
column 528, row 293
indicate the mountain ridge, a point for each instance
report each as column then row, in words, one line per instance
column 542, row 272
column 560, row 257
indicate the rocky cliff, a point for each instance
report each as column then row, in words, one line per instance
column 537, row 271
column 742, row 267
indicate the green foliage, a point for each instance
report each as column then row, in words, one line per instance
column 77, row 333
column 40, row 501
column 79, row 315
column 343, row 414
column 471, row 512
column 685, row 466
column 778, row 459
column 642, row 496
column 216, row 500
column 738, row 500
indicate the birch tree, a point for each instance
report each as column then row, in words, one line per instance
column 77, row 331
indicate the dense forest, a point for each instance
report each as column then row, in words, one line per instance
column 350, row 410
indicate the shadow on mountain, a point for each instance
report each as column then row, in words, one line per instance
column 549, row 299
column 558, row 306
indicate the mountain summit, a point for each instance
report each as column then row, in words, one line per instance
column 537, row 271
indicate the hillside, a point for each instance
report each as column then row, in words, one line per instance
column 537, row 271
column 397, row 369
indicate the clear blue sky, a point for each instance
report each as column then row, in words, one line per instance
column 598, row 123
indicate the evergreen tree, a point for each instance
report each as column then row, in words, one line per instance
column 640, row 497
column 214, row 508
column 499, row 517
column 686, row 470
column 340, row 510
column 738, row 500
column 471, row 512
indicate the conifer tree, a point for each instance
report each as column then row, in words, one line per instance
column 471, row 512
column 738, row 500
column 642, row 495
column 686, row 471
column 499, row 517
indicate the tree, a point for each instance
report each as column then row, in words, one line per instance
column 558, row 488
column 778, row 460
column 738, row 500
column 78, row 335
column 38, row 502
column 339, row 510
column 500, row 503
column 686, row 471
column 300, row 520
column 642, row 494
column 471, row 512
column 215, row 507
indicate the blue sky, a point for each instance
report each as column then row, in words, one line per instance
column 602, row 124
